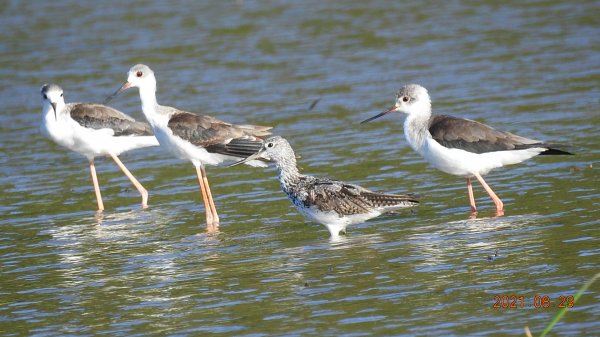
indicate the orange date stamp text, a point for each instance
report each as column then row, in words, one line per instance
column 537, row 302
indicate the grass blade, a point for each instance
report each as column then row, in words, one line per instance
column 563, row 311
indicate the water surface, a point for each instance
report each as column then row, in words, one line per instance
column 531, row 68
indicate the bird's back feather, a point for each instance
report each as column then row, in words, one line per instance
column 347, row 199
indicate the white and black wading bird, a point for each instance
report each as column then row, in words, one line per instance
column 94, row 130
column 201, row 139
column 459, row 146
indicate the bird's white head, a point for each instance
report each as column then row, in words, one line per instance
column 52, row 98
column 411, row 99
column 140, row 76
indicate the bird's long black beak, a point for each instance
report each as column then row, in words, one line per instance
column 54, row 108
column 124, row 87
column 257, row 155
column 392, row 109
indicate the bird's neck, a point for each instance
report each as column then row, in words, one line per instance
column 416, row 129
column 48, row 113
column 149, row 104
column 56, row 127
column 288, row 172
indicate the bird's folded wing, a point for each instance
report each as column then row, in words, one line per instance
column 217, row 136
column 339, row 197
column 472, row 136
column 97, row 116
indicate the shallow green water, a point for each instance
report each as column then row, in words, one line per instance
column 530, row 68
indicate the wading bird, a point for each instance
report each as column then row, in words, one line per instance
column 94, row 130
column 461, row 147
column 201, row 139
column 335, row 204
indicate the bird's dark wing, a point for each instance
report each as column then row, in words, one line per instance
column 97, row 116
column 348, row 199
column 217, row 136
column 472, row 136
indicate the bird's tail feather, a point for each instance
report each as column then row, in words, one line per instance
column 239, row 147
column 392, row 200
column 551, row 149
column 555, row 149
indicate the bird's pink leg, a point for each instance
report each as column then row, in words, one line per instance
column 497, row 201
column 471, row 197
column 210, row 199
column 207, row 207
column 135, row 182
column 96, row 186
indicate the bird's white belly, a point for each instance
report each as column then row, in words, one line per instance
column 334, row 223
column 463, row 163
column 71, row 137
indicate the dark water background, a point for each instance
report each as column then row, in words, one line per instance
column 532, row 68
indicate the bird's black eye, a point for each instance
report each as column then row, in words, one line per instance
column 139, row 73
column 269, row 144
column 61, row 94
column 405, row 99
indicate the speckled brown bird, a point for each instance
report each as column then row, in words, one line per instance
column 333, row 203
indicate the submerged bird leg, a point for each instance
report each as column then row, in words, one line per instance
column 96, row 186
column 207, row 208
column 210, row 199
column 471, row 197
column 497, row 201
column 135, row 182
